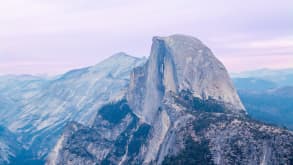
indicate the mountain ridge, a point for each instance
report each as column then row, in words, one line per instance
column 162, row 115
column 39, row 110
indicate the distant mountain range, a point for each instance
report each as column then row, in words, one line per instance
column 267, row 100
column 267, row 95
column 282, row 77
column 179, row 106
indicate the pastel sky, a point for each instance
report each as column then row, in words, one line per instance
column 53, row 36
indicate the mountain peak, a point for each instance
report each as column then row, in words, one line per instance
column 179, row 38
column 121, row 55
column 117, row 57
column 180, row 101
column 117, row 61
column 181, row 63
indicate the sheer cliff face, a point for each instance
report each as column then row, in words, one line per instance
column 179, row 63
column 180, row 108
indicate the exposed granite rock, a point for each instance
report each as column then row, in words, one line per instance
column 231, row 140
column 180, row 135
column 179, row 63
column 112, row 138
column 180, row 108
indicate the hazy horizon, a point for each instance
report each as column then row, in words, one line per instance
column 52, row 37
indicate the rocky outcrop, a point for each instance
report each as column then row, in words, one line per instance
column 114, row 137
column 179, row 63
column 225, row 139
column 180, row 108
column 191, row 136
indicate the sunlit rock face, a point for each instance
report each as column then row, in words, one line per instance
column 179, row 63
column 180, row 108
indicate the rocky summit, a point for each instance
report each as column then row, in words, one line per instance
column 180, row 108
column 180, row 63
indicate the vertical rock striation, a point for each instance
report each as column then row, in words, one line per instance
column 180, row 108
column 179, row 63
